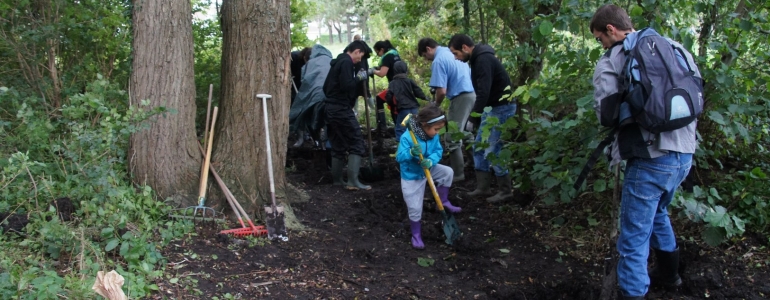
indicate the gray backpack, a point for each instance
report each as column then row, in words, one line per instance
column 658, row 86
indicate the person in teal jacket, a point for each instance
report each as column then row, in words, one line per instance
column 425, row 127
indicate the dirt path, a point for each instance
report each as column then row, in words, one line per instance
column 358, row 247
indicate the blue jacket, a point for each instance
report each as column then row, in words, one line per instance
column 410, row 165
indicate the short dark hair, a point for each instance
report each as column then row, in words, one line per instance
column 458, row 40
column 359, row 45
column 610, row 14
column 429, row 112
column 424, row 43
column 305, row 53
column 386, row 45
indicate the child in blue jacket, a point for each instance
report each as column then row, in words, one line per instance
column 425, row 126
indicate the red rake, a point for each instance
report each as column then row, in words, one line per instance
column 251, row 230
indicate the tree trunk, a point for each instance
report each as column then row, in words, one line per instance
column 165, row 156
column 483, row 25
column 466, row 16
column 331, row 33
column 255, row 60
column 350, row 31
column 338, row 28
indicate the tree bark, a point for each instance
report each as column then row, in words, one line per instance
column 165, row 156
column 255, row 60
column 483, row 25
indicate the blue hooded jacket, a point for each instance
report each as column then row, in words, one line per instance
column 410, row 165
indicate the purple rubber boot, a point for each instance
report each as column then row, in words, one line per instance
column 416, row 235
column 443, row 193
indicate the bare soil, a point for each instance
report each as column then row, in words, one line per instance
column 357, row 245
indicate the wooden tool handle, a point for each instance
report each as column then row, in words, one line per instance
column 427, row 172
column 207, row 160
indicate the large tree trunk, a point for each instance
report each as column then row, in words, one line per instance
column 165, row 156
column 255, row 60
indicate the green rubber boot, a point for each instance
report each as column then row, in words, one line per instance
column 457, row 162
column 504, row 189
column 483, row 180
column 354, row 166
column 337, row 165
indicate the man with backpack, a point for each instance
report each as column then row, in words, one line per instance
column 648, row 88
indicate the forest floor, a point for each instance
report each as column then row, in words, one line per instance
column 357, row 245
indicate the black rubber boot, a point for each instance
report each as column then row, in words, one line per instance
column 666, row 272
column 382, row 124
column 354, row 167
column 337, row 165
column 504, row 189
column 483, row 180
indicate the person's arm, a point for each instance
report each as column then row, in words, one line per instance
column 403, row 154
column 605, row 82
column 417, row 91
column 440, row 95
column 481, row 75
column 346, row 76
column 382, row 71
column 386, row 63
column 439, row 79
column 435, row 150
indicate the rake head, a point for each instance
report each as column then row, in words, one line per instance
column 246, row 231
column 206, row 213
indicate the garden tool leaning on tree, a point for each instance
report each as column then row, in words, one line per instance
column 274, row 219
column 451, row 228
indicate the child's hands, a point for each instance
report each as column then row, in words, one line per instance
column 426, row 163
column 416, row 150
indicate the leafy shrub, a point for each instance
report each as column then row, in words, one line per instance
column 80, row 154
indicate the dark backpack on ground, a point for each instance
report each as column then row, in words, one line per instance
column 658, row 89
column 658, row 85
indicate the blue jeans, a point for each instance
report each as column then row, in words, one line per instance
column 648, row 189
column 402, row 113
column 480, row 162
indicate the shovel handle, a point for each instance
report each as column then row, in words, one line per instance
column 207, row 160
column 427, row 172
column 264, row 98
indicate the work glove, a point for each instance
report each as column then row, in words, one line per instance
column 361, row 75
column 416, row 150
column 472, row 124
column 370, row 71
column 426, row 163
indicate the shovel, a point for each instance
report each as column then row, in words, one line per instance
column 276, row 227
column 371, row 173
column 451, row 228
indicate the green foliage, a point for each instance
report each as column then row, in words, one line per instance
column 207, row 36
column 549, row 49
column 80, row 155
column 300, row 13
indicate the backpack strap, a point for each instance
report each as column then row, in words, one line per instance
column 594, row 157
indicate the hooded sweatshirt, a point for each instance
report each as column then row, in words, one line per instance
column 340, row 84
column 489, row 78
column 403, row 89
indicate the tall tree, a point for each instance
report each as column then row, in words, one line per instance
column 165, row 156
column 255, row 60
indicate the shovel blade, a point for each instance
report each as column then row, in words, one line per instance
column 451, row 228
column 276, row 227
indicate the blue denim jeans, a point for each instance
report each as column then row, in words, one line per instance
column 480, row 162
column 402, row 113
column 648, row 189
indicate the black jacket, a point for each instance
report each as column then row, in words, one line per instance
column 404, row 90
column 340, row 85
column 489, row 78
